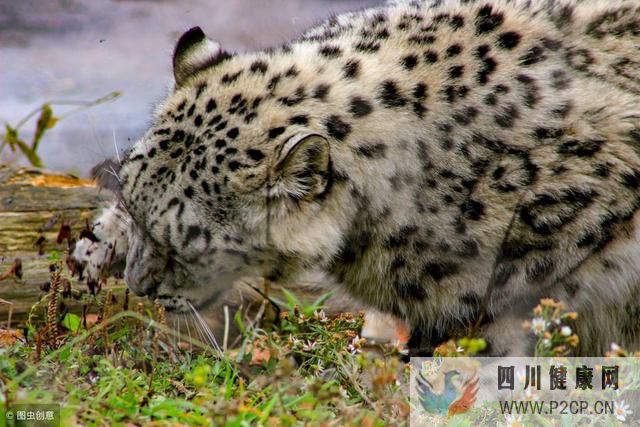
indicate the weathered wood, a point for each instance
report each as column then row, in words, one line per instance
column 35, row 203
column 31, row 199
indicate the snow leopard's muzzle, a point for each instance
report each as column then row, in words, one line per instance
column 158, row 275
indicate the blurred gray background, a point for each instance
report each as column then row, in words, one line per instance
column 84, row 49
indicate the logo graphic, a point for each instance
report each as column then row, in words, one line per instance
column 446, row 392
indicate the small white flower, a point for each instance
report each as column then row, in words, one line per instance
column 546, row 342
column 320, row 315
column 621, row 410
column 294, row 341
column 566, row 331
column 355, row 344
column 538, row 325
column 615, row 347
column 459, row 349
column 309, row 345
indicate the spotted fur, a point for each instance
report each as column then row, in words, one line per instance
column 439, row 160
column 103, row 254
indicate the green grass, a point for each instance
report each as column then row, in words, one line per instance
column 129, row 369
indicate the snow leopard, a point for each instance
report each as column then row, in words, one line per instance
column 450, row 163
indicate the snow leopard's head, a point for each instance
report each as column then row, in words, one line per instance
column 226, row 182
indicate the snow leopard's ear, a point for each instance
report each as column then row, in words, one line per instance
column 303, row 168
column 193, row 53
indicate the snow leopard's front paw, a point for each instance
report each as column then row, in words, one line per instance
column 102, row 249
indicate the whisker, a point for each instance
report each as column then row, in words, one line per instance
column 208, row 332
column 186, row 321
column 115, row 144
column 113, row 172
column 203, row 329
column 206, row 329
column 198, row 328
column 180, row 336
